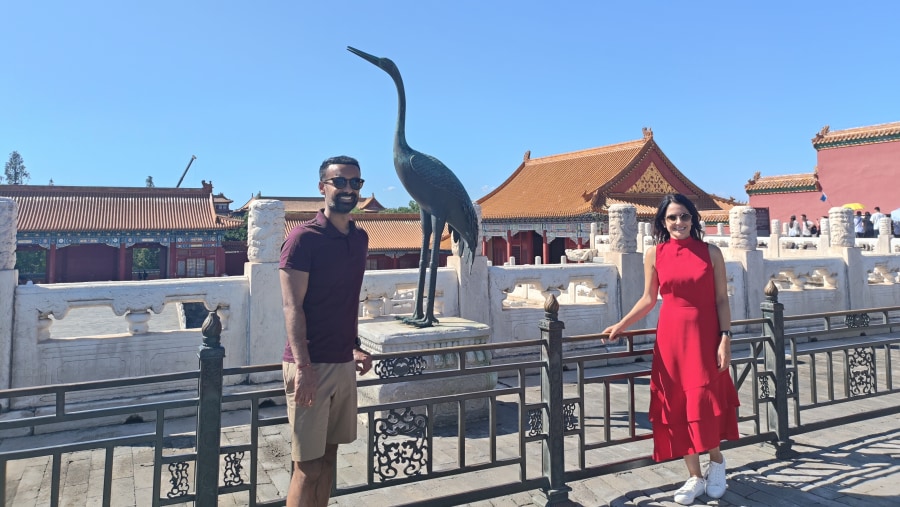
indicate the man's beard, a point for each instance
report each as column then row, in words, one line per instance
column 338, row 206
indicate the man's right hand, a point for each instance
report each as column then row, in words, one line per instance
column 306, row 383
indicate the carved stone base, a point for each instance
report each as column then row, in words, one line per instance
column 423, row 346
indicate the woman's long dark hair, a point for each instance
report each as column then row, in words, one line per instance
column 660, row 233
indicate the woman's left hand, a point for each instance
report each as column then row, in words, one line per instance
column 723, row 356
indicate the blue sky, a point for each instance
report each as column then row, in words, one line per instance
column 108, row 93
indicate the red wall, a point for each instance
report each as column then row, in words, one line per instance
column 87, row 263
column 866, row 174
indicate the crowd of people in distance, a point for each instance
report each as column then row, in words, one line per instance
column 865, row 225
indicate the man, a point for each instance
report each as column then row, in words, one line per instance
column 876, row 220
column 322, row 265
column 805, row 226
column 859, row 227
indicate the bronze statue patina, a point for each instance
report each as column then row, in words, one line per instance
column 442, row 200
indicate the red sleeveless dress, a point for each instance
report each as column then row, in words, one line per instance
column 692, row 405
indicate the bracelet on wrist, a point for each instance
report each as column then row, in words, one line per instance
column 725, row 332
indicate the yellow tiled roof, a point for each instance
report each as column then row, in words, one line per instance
column 60, row 208
column 387, row 231
column 786, row 183
column 581, row 182
column 826, row 138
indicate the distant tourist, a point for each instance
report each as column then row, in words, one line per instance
column 896, row 224
column 858, row 225
column 806, row 226
column 876, row 219
column 793, row 227
column 868, row 227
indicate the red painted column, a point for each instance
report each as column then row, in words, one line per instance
column 173, row 273
column 122, row 251
column 546, row 254
column 51, row 265
column 508, row 246
column 220, row 260
column 579, row 242
column 396, row 261
column 484, row 243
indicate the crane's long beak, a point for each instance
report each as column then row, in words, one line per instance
column 362, row 54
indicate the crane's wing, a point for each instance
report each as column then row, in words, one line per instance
column 448, row 199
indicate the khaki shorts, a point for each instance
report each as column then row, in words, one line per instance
column 331, row 419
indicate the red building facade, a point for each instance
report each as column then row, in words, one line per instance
column 86, row 234
column 858, row 165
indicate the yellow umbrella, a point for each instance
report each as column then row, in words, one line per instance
column 855, row 206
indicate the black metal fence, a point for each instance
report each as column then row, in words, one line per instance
column 557, row 415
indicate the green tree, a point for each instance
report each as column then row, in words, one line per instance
column 145, row 258
column 16, row 174
column 31, row 263
column 413, row 207
column 238, row 234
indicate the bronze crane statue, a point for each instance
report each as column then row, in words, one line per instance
column 442, row 200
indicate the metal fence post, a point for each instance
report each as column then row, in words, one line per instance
column 777, row 408
column 552, row 397
column 209, row 413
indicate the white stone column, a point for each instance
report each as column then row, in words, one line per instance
column 843, row 244
column 720, row 229
column 775, row 240
column 474, row 303
column 267, row 335
column 8, row 282
column 824, row 236
column 623, row 252
column 742, row 225
column 883, row 243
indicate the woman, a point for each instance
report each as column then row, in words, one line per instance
column 692, row 397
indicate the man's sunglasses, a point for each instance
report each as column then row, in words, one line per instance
column 340, row 182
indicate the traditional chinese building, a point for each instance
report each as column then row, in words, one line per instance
column 83, row 234
column 548, row 204
column 395, row 239
column 857, row 165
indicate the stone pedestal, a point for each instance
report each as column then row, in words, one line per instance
column 423, row 346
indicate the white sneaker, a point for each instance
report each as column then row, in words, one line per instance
column 715, row 479
column 693, row 487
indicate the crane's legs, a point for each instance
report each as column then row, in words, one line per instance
column 432, row 228
column 418, row 314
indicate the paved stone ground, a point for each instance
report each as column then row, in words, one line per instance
column 856, row 465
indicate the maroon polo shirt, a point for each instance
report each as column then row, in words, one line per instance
column 335, row 263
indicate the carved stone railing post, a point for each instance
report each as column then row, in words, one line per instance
column 776, row 366
column 742, row 226
column 623, row 253
column 883, row 243
column 474, row 302
column 8, row 282
column 554, row 456
column 843, row 243
column 265, row 234
column 824, row 236
column 775, row 240
column 209, row 412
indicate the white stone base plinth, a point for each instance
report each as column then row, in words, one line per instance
column 388, row 336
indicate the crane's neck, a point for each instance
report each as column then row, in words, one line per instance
column 400, row 134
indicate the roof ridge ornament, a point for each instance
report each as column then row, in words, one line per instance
column 527, row 155
column 648, row 132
